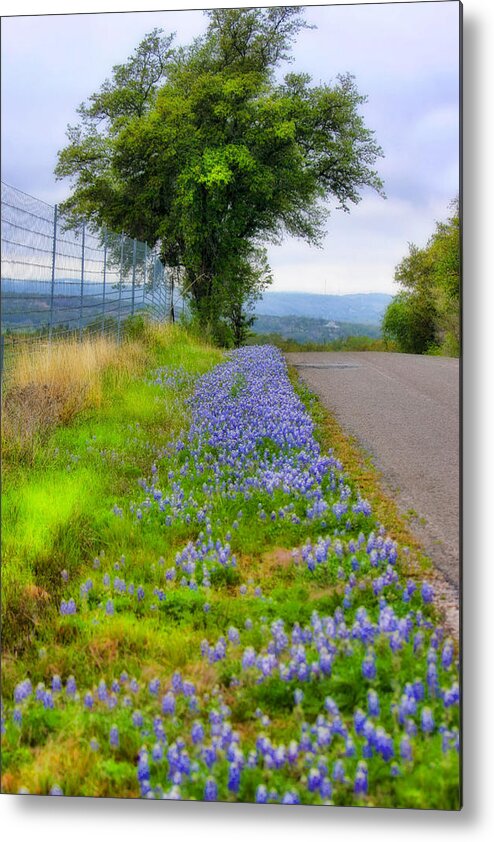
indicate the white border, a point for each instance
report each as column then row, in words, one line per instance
column 72, row 820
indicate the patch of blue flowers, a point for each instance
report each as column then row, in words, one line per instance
column 320, row 712
column 250, row 437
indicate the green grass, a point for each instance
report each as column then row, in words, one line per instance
column 57, row 509
column 58, row 515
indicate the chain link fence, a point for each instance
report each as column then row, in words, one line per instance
column 60, row 282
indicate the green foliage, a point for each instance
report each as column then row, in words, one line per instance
column 410, row 321
column 348, row 343
column 200, row 150
column 58, row 515
column 425, row 316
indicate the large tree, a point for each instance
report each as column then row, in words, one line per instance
column 202, row 151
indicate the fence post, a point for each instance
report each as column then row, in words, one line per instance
column 134, row 253
column 2, row 348
column 105, row 246
column 54, row 252
column 154, row 279
column 172, row 306
column 120, row 285
column 82, row 279
column 145, row 274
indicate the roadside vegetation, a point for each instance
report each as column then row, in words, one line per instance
column 349, row 343
column 200, row 603
column 425, row 318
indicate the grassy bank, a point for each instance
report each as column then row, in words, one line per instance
column 199, row 601
column 80, row 424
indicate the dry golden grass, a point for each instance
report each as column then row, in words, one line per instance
column 67, row 758
column 73, row 365
column 48, row 385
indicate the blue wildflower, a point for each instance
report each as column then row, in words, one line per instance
column 211, row 790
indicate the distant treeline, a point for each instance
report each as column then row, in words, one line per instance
column 303, row 329
column 348, row 343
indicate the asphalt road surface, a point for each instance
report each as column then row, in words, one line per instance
column 404, row 411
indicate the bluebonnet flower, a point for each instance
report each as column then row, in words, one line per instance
column 48, row 702
column 331, row 706
column 114, row 737
column 326, row 789
column 427, row 592
column 314, row 780
column 234, row 777
column 339, row 771
column 452, row 695
column 168, row 703
column 405, row 748
column 56, row 684
column 383, row 744
column 177, row 682
column 359, row 720
column 291, row 798
column 56, row 790
column 211, row 790
column 249, row 657
column 427, row 720
column 418, row 690
column 447, row 654
column 197, row 732
column 373, row 703
column 71, row 687
column 154, row 686
column 233, row 635
column 157, row 752
column 361, row 781
column 369, row 666
column 261, row 794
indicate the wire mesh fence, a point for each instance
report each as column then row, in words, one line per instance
column 64, row 282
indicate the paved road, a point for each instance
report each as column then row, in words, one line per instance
column 404, row 411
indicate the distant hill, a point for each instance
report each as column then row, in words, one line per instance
column 360, row 308
column 304, row 329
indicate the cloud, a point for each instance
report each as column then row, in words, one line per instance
column 361, row 249
column 404, row 57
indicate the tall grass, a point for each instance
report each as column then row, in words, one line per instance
column 49, row 386
column 79, row 420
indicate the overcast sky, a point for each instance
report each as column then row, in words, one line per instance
column 404, row 57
